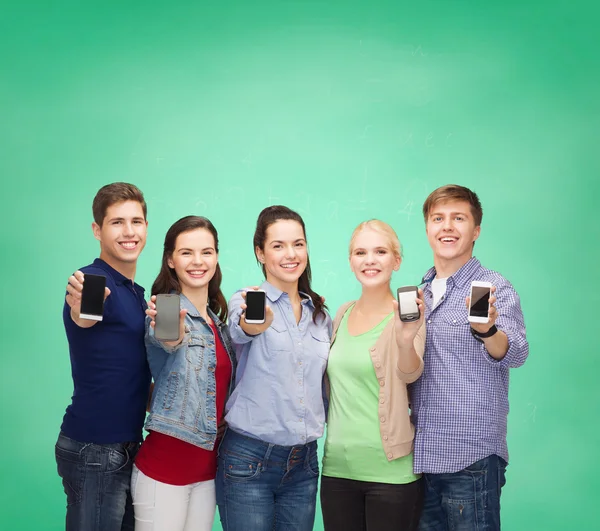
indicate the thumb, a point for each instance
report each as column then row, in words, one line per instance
column 106, row 293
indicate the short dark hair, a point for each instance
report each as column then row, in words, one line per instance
column 454, row 192
column 113, row 193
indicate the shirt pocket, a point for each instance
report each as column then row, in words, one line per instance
column 195, row 350
column 321, row 342
column 278, row 337
column 456, row 323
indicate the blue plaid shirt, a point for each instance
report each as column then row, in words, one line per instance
column 460, row 403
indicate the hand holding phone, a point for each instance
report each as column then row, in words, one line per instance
column 257, row 316
column 74, row 296
column 479, row 302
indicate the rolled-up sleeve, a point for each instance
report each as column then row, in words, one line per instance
column 510, row 321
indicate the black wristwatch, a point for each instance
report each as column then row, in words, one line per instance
column 489, row 333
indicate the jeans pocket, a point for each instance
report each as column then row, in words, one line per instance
column 71, row 470
column 312, row 463
column 117, row 460
column 240, row 468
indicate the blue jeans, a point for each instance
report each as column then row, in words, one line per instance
column 265, row 487
column 468, row 500
column 97, row 482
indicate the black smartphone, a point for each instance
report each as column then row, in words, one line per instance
column 92, row 297
column 167, row 317
column 256, row 302
column 407, row 304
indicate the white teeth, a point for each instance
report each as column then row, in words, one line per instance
column 289, row 266
column 128, row 245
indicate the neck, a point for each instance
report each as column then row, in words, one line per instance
column 446, row 268
column 127, row 269
column 199, row 298
column 291, row 288
column 376, row 299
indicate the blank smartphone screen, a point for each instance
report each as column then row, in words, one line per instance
column 92, row 296
column 408, row 304
column 479, row 301
column 255, row 302
column 167, row 317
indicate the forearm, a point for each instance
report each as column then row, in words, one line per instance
column 496, row 345
column 408, row 360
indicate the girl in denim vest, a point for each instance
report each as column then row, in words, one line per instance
column 172, row 484
column 268, row 467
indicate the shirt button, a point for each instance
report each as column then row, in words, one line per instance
column 385, row 437
column 381, row 383
column 390, row 455
column 378, row 365
column 382, row 419
column 372, row 349
column 301, row 401
column 299, row 382
column 429, row 321
column 381, row 401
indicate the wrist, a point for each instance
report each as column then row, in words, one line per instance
column 484, row 335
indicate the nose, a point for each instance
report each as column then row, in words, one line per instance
column 370, row 258
column 447, row 224
column 290, row 251
column 128, row 229
column 197, row 259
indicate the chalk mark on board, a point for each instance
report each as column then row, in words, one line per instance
column 448, row 140
column 417, row 50
column 364, row 133
column 408, row 209
column 429, row 140
column 333, row 209
column 408, row 140
column 533, row 411
column 271, row 199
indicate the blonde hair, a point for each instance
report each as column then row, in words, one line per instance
column 381, row 227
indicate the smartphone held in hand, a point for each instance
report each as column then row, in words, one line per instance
column 256, row 306
column 92, row 297
column 479, row 306
column 407, row 303
column 167, row 317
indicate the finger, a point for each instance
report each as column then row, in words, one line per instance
column 152, row 323
column 73, row 292
column 106, row 293
column 182, row 314
column 492, row 301
column 79, row 276
column 153, row 298
column 468, row 301
column 243, row 306
column 151, row 304
column 244, row 295
column 493, row 289
column 75, row 283
column 71, row 301
column 421, row 294
column 255, row 288
column 151, row 313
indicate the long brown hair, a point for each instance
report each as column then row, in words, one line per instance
column 268, row 217
column 167, row 279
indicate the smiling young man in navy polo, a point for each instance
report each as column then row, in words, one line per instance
column 102, row 427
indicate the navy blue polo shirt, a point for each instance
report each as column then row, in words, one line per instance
column 108, row 362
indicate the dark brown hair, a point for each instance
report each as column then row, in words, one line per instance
column 111, row 194
column 454, row 192
column 268, row 217
column 167, row 279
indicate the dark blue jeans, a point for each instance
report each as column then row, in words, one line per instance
column 468, row 500
column 97, row 482
column 265, row 487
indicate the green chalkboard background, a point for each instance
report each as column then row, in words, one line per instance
column 343, row 110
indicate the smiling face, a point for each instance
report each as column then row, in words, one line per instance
column 194, row 259
column 122, row 235
column 284, row 254
column 451, row 232
column 372, row 258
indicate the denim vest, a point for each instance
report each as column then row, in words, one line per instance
column 184, row 397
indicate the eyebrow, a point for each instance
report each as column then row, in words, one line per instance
column 451, row 213
column 281, row 241
column 188, row 249
column 136, row 218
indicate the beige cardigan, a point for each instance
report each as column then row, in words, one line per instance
column 395, row 427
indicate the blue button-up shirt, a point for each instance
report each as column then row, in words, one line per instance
column 278, row 393
column 460, row 403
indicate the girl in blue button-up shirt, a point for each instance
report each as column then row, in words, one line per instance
column 268, row 468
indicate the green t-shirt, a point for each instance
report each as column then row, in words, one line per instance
column 353, row 448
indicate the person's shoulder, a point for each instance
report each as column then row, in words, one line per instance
column 494, row 277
